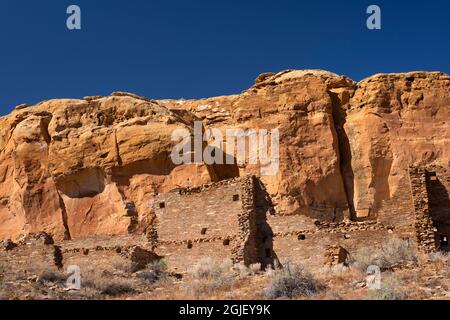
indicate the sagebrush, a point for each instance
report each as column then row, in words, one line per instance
column 390, row 289
column 208, row 276
column 154, row 272
column 290, row 282
column 391, row 253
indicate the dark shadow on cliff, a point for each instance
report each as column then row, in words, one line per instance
column 345, row 154
column 161, row 165
column 264, row 236
column 439, row 208
column 83, row 184
column 225, row 167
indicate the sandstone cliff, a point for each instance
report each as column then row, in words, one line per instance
column 75, row 168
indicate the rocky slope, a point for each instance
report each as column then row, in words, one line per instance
column 75, row 168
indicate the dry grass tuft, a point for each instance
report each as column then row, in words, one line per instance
column 245, row 271
column 208, row 276
column 391, row 289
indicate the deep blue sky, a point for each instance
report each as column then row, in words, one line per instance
column 201, row 48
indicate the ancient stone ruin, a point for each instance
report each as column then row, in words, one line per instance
column 359, row 163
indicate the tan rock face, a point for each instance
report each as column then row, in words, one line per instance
column 301, row 105
column 393, row 121
column 75, row 168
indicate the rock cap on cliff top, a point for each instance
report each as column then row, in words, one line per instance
column 272, row 78
column 412, row 74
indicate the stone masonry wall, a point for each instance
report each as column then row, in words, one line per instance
column 245, row 249
column 303, row 239
column 311, row 246
column 38, row 254
column 257, row 233
column 398, row 211
column 235, row 219
column 438, row 187
column 215, row 220
column 424, row 224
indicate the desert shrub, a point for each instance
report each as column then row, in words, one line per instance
column 106, row 284
column 207, row 268
column 154, row 272
column 122, row 265
column 255, row 268
column 245, row 271
column 52, row 277
column 334, row 270
column 149, row 277
column 116, row 288
column 2, row 279
column 159, row 266
column 391, row 253
column 110, row 286
column 2, row 274
column 390, row 290
column 332, row 294
column 209, row 275
column 439, row 257
column 242, row 270
column 363, row 258
column 395, row 252
column 291, row 281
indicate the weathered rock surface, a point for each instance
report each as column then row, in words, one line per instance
column 300, row 104
column 394, row 121
column 75, row 168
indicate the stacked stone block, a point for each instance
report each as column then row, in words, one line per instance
column 425, row 230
